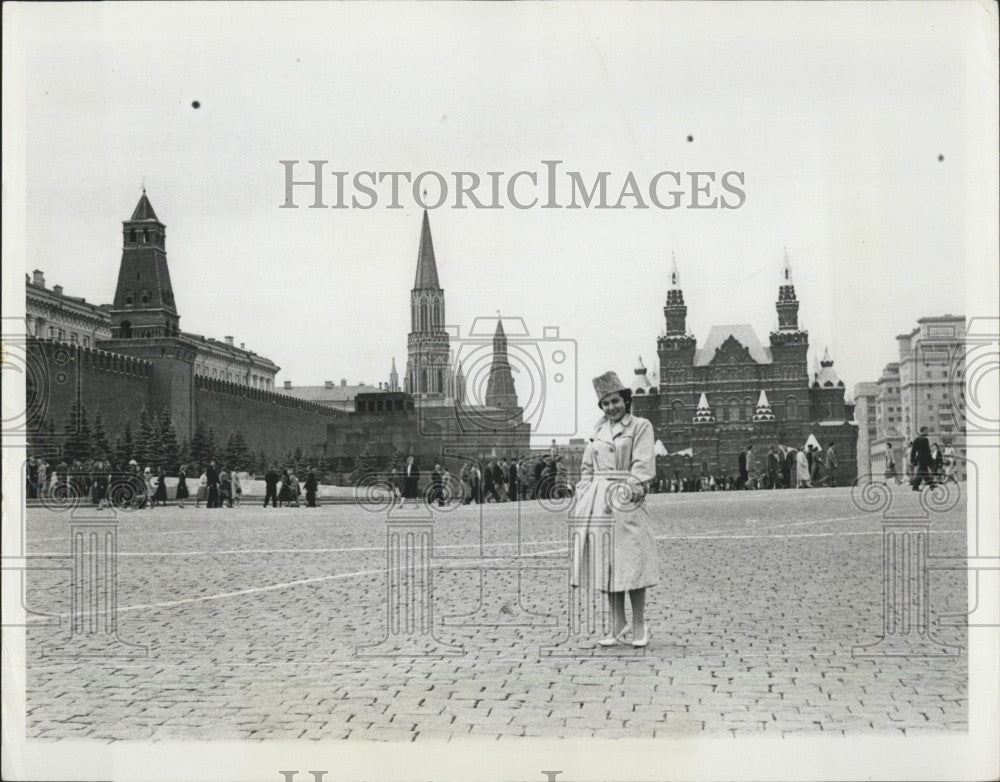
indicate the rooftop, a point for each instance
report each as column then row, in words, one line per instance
column 743, row 333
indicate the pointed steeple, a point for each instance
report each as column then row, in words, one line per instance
column 641, row 383
column 675, row 311
column 393, row 376
column 764, row 411
column 427, row 275
column 703, row 414
column 500, row 386
column 826, row 376
column 428, row 365
column 786, row 271
column 144, row 209
column 144, row 298
column 460, row 385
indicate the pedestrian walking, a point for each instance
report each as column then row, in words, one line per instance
column 437, row 487
column 271, row 480
column 920, row 460
column 802, row 469
column 411, row 479
column 949, row 464
column 237, row 487
column 890, row 465
column 225, row 488
column 294, row 487
column 212, row 476
column 182, row 487
column 202, row 493
column 618, row 461
column 160, row 495
column 311, row 485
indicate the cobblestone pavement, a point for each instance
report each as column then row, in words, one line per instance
column 252, row 618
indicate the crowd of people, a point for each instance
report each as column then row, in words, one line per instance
column 102, row 484
column 780, row 468
column 924, row 463
column 482, row 481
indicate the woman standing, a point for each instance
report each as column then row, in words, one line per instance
column 160, row 495
column 182, row 486
column 618, row 464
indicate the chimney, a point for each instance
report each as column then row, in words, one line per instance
column 327, row 384
column 229, row 341
column 57, row 290
column 38, row 278
column 288, row 384
column 343, row 381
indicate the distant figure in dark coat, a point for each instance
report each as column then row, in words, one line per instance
column 437, row 486
column 212, row 475
column 741, row 461
column 311, row 485
column 160, row 495
column 182, row 486
column 271, row 479
column 536, row 493
column 411, row 479
column 513, row 482
column 921, row 459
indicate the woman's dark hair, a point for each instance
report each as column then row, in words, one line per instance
column 626, row 395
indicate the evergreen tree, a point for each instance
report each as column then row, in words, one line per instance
column 77, row 444
column 169, row 450
column 237, row 453
column 125, row 448
column 211, row 447
column 144, row 451
column 199, row 446
column 100, row 447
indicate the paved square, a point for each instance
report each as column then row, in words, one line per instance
column 252, row 619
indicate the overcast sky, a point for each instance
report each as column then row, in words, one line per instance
column 859, row 132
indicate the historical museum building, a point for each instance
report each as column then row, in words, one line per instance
column 732, row 391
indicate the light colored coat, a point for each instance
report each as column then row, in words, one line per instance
column 617, row 462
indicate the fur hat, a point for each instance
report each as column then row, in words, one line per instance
column 608, row 383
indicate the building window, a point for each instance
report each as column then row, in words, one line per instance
column 73, row 338
column 791, row 408
column 145, row 236
column 131, row 235
column 144, row 297
column 734, row 410
column 128, row 299
column 748, row 406
column 86, row 342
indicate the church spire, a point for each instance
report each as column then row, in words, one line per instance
column 427, row 275
column 500, row 390
column 393, row 376
column 428, row 365
column 675, row 276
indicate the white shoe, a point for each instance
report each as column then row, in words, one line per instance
column 613, row 640
column 644, row 641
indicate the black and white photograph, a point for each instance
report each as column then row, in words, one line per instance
column 542, row 391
